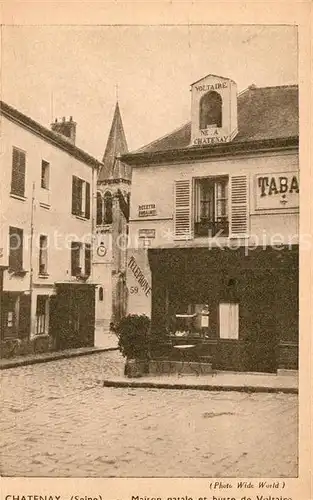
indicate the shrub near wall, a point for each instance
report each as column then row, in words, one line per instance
column 22, row 347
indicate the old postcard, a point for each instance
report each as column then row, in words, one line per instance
column 155, row 251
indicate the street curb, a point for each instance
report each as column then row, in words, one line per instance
column 208, row 387
column 35, row 361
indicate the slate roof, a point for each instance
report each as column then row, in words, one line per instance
column 113, row 167
column 264, row 113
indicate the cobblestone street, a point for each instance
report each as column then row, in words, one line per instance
column 58, row 420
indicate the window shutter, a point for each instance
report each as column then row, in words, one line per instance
column 87, row 202
column 88, row 259
column 75, row 195
column 18, row 172
column 183, row 229
column 239, row 210
column 75, row 258
column 16, row 249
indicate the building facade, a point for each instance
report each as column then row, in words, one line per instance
column 48, row 206
column 113, row 188
column 214, row 233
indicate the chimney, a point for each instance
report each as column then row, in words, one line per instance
column 67, row 128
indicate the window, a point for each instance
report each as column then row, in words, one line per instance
column 41, row 314
column 80, row 259
column 43, row 254
column 45, row 174
column 18, row 172
column 108, row 205
column 99, row 209
column 87, row 259
column 229, row 321
column 16, row 249
column 210, row 110
column 76, row 268
column 80, row 197
column 101, row 294
column 211, row 207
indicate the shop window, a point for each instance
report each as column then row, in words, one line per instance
column 108, row 208
column 9, row 324
column 210, row 110
column 18, row 172
column 80, row 197
column 43, row 254
column 45, row 174
column 211, row 207
column 229, row 321
column 41, row 314
column 16, row 249
column 99, row 209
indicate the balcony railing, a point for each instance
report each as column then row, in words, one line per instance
column 211, row 228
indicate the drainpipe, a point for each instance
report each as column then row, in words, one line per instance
column 93, row 221
column 31, row 269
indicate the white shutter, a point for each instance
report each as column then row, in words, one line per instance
column 183, row 228
column 239, row 210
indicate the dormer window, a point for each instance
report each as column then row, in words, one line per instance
column 210, row 110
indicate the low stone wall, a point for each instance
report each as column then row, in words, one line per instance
column 12, row 348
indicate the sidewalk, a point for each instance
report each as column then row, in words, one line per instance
column 5, row 363
column 286, row 382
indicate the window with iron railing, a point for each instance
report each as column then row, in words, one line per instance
column 211, row 207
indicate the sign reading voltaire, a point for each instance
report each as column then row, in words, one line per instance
column 213, row 111
column 279, row 190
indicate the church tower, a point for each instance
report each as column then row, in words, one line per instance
column 113, row 191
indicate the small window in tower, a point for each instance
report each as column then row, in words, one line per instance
column 210, row 110
column 101, row 294
column 108, row 215
column 99, row 209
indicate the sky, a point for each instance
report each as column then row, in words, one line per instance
column 53, row 71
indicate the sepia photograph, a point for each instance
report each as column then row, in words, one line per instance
column 149, row 252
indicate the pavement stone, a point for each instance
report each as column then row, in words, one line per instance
column 58, row 421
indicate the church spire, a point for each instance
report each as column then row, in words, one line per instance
column 116, row 146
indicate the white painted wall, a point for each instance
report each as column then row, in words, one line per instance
column 154, row 184
column 57, row 222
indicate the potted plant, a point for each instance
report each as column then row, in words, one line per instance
column 133, row 342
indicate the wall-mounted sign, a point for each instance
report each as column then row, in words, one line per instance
column 147, row 210
column 278, row 190
column 146, row 233
column 214, row 86
column 210, row 140
column 139, row 276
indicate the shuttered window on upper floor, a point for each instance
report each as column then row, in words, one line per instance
column 183, row 226
column 80, row 197
column 239, row 208
column 18, row 172
column 220, row 210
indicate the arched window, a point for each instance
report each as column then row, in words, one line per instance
column 210, row 110
column 99, row 209
column 101, row 294
column 108, row 208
